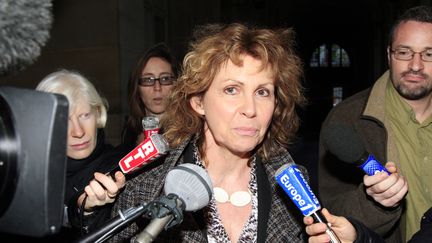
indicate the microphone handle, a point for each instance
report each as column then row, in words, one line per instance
column 156, row 225
column 318, row 217
column 114, row 225
column 152, row 230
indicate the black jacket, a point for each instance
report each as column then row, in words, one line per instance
column 103, row 159
column 364, row 234
column 425, row 232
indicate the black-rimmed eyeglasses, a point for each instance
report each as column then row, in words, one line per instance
column 405, row 54
column 150, row 81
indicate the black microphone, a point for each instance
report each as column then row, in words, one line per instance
column 190, row 187
column 291, row 179
column 24, row 30
column 346, row 145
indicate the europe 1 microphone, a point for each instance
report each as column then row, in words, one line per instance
column 346, row 145
column 290, row 178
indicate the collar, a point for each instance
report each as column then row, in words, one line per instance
column 375, row 106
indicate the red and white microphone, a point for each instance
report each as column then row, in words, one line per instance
column 150, row 125
column 152, row 147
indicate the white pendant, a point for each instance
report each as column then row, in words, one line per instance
column 238, row 199
column 220, row 195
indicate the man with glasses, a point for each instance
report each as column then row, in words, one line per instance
column 394, row 121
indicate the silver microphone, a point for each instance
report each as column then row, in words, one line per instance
column 187, row 187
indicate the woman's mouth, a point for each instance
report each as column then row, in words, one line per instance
column 245, row 131
column 80, row 146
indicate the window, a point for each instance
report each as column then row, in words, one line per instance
column 337, row 95
column 321, row 58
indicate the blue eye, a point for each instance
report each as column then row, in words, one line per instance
column 230, row 90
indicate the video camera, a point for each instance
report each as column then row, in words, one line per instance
column 33, row 135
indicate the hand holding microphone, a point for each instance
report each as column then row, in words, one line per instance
column 388, row 187
column 388, row 190
column 340, row 225
column 102, row 190
column 295, row 186
column 105, row 187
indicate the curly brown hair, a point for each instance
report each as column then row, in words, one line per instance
column 212, row 47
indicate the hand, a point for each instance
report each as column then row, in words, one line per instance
column 340, row 225
column 387, row 190
column 102, row 190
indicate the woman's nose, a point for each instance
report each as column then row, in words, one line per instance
column 76, row 129
column 248, row 107
column 157, row 85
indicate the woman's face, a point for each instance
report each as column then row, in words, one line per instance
column 238, row 106
column 154, row 97
column 82, row 130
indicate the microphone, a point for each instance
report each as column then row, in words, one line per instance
column 290, row 178
column 24, row 30
column 187, row 187
column 150, row 125
column 152, row 147
column 190, row 187
column 347, row 146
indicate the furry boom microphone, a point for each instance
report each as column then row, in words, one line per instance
column 24, row 30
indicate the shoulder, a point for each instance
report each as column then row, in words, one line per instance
column 276, row 161
column 349, row 110
column 354, row 103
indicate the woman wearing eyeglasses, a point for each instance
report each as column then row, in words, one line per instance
column 150, row 83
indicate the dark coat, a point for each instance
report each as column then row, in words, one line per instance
column 103, row 159
column 425, row 232
column 278, row 218
column 340, row 184
column 365, row 234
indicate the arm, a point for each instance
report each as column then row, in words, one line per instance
column 98, row 196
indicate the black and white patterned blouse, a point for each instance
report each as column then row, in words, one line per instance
column 216, row 232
